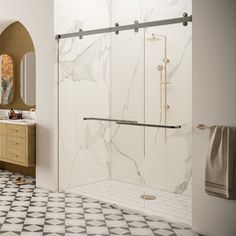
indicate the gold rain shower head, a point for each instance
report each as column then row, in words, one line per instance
column 154, row 37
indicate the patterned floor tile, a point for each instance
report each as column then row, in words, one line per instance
column 29, row 211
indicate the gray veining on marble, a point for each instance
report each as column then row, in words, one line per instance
column 171, row 74
column 185, row 132
column 80, row 64
column 104, row 76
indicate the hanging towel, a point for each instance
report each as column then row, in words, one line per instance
column 220, row 176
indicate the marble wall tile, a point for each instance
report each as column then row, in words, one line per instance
column 127, row 103
column 116, row 76
column 84, row 91
column 161, row 165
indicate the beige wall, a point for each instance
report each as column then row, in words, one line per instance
column 214, row 97
column 37, row 17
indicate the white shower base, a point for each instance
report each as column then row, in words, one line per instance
column 172, row 207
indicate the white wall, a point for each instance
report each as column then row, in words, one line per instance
column 214, row 96
column 37, row 17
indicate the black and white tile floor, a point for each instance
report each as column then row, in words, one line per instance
column 29, row 211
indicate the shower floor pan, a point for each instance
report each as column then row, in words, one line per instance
column 170, row 206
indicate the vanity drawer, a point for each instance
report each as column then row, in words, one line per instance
column 16, row 131
column 17, row 158
column 18, row 144
column 15, row 143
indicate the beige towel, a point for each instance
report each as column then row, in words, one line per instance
column 220, row 178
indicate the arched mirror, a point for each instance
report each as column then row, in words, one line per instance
column 28, row 79
column 7, row 79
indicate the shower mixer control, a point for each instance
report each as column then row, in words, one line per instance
column 167, row 107
column 166, row 60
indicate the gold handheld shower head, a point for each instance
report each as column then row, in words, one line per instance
column 160, row 67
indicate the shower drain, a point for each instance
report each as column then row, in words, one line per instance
column 148, row 197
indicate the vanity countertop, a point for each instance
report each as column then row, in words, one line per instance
column 19, row 122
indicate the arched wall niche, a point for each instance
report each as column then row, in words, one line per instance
column 5, row 23
column 15, row 41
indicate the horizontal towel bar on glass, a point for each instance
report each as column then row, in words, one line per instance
column 133, row 122
column 112, row 120
column 150, row 125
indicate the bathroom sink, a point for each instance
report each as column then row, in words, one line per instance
column 20, row 121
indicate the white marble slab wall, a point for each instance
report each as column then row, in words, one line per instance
column 143, row 157
column 84, row 91
column 127, row 103
column 116, row 76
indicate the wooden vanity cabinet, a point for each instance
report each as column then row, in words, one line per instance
column 18, row 144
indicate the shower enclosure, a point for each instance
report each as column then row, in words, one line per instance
column 125, row 118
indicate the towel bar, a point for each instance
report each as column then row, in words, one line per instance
column 107, row 119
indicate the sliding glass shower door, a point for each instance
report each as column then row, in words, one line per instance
column 128, row 103
column 168, row 101
column 108, row 86
column 84, row 91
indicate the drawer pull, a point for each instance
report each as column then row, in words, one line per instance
column 14, row 143
column 14, row 130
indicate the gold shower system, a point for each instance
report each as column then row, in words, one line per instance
column 163, row 84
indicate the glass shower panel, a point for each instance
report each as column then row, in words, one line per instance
column 127, row 103
column 168, row 99
column 84, row 91
column 143, row 77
